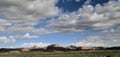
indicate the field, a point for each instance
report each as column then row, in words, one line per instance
column 100, row 53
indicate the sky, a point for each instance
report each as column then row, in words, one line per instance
column 89, row 23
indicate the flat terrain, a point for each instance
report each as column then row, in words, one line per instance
column 97, row 53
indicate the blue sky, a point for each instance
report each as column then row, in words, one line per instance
column 64, row 22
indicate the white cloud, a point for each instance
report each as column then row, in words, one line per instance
column 109, row 40
column 89, row 44
column 77, row 0
column 5, row 40
column 4, row 22
column 26, row 36
column 28, row 8
column 89, row 18
column 25, row 14
column 44, row 8
column 112, row 36
column 22, row 16
column 88, row 2
column 91, row 41
column 112, row 30
column 106, row 40
column 31, row 44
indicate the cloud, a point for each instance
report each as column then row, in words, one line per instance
column 106, row 40
column 91, row 41
column 89, row 44
column 5, row 40
column 4, row 22
column 77, row 0
column 20, row 17
column 89, row 18
column 23, row 16
column 112, row 36
column 28, row 9
column 88, row 2
column 31, row 44
column 26, row 36
column 29, row 29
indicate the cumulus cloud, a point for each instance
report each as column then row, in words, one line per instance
column 26, row 36
column 4, row 22
column 28, row 29
column 89, row 44
column 91, row 41
column 31, row 44
column 112, row 36
column 28, row 9
column 89, row 18
column 106, row 40
column 88, row 2
column 5, row 40
column 77, row 0
column 22, row 16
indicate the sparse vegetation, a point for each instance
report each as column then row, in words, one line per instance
column 92, row 53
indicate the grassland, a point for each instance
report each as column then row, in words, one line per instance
column 100, row 53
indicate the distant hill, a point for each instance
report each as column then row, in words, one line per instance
column 56, row 47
